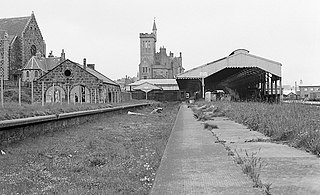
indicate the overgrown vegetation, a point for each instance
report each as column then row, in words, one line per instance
column 116, row 155
column 295, row 124
column 13, row 110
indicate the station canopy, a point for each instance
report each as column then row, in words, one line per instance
column 240, row 71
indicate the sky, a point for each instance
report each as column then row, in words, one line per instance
column 106, row 32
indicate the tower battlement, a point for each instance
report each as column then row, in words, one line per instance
column 147, row 35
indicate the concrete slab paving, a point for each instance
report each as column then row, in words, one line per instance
column 291, row 171
column 194, row 163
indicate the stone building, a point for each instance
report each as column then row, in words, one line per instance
column 74, row 83
column 20, row 39
column 157, row 65
column 38, row 65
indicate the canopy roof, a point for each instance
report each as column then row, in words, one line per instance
column 164, row 84
column 146, row 87
column 237, row 59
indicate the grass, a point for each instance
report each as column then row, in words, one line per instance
column 295, row 124
column 13, row 110
column 251, row 165
column 117, row 154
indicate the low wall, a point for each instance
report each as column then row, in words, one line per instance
column 19, row 129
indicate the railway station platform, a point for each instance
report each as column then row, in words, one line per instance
column 196, row 162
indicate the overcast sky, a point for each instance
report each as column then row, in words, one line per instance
column 106, row 32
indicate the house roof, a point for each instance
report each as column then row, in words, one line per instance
column 237, row 59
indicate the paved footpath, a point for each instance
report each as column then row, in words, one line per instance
column 290, row 171
column 195, row 163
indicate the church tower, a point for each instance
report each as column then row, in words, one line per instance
column 147, row 53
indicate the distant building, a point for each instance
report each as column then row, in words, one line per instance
column 310, row 92
column 160, row 90
column 20, row 39
column 155, row 65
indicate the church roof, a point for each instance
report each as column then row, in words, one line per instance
column 154, row 25
column 14, row 26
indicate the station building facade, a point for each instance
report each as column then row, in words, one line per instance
column 75, row 83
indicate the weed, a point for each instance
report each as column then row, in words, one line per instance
column 210, row 126
column 251, row 165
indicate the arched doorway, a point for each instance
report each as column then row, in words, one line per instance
column 80, row 93
column 55, row 94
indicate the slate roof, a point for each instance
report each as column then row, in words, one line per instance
column 99, row 75
column 41, row 63
column 14, row 26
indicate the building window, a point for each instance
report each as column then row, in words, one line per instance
column 27, row 74
column 305, row 89
column 36, row 74
column 311, row 89
column 145, row 77
column 33, row 50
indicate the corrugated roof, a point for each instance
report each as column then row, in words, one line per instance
column 146, row 87
column 237, row 60
column 164, row 84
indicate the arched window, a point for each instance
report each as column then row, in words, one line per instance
column 27, row 74
column 33, row 50
column 36, row 74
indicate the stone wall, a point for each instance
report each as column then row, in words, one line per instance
column 99, row 91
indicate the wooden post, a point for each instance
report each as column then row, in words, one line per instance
column 68, row 95
column 19, row 91
column 52, row 94
column 2, row 88
column 281, row 93
column 31, row 92
column 42, row 91
column 60, row 97
column 95, row 95
column 276, row 90
column 80, row 94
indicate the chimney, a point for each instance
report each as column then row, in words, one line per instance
column 171, row 54
column 84, row 63
column 91, row 66
column 180, row 55
column 63, row 56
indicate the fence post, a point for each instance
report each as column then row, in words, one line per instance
column 19, row 91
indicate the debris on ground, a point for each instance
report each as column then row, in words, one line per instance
column 3, row 152
column 135, row 113
column 156, row 110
